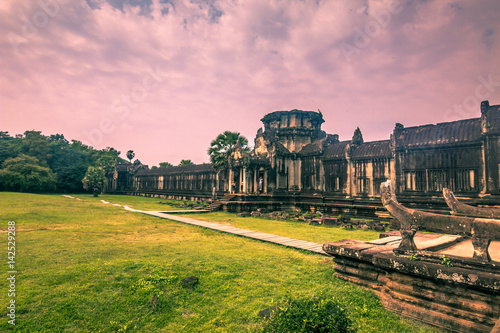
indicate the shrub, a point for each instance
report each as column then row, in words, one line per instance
column 308, row 314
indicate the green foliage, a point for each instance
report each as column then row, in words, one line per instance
column 26, row 174
column 94, row 179
column 130, row 155
column 446, row 261
column 223, row 146
column 185, row 162
column 67, row 161
column 413, row 257
column 165, row 165
column 308, row 314
column 69, row 164
column 106, row 162
column 35, row 144
column 9, row 146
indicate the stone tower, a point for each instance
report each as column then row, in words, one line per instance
column 293, row 129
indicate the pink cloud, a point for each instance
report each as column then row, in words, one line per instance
column 225, row 64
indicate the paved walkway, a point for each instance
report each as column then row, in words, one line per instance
column 286, row 241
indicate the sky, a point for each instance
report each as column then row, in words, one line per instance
column 165, row 77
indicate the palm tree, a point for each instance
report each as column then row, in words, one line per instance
column 165, row 165
column 223, row 146
column 185, row 162
column 130, row 155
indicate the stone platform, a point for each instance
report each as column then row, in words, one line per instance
column 456, row 293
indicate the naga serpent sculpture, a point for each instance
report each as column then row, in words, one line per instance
column 459, row 208
column 483, row 231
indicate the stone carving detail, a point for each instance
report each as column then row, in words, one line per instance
column 459, row 208
column 483, row 231
column 406, row 217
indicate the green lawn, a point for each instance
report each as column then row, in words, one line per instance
column 84, row 266
column 136, row 202
column 299, row 230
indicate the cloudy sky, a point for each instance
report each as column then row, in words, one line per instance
column 164, row 77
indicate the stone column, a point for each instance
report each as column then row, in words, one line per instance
column 349, row 177
column 255, row 185
column 244, row 176
column 265, row 181
column 369, row 176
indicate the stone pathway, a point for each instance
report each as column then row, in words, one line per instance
column 270, row 238
column 286, row 241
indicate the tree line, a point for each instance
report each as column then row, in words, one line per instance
column 33, row 162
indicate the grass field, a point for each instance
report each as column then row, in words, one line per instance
column 88, row 267
column 299, row 230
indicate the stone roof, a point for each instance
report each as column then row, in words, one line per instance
column 259, row 161
column 451, row 133
column 123, row 166
column 280, row 149
column 373, row 149
column 312, row 148
column 336, row 150
column 276, row 115
column 195, row 168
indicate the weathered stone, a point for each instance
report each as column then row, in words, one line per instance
column 459, row 208
column 266, row 312
column 190, row 282
column 256, row 213
column 315, row 222
column 330, row 220
column 407, row 244
column 481, row 246
column 413, row 219
column 496, row 329
column 461, row 298
column 482, row 230
column 243, row 214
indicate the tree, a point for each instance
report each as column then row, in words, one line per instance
column 106, row 162
column 165, row 165
column 130, row 155
column 94, row 180
column 185, row 162
column 26, row 174
column 58, row 138
column 223, row 146
column 9, row 146
column 69, row 164
column 35, row 144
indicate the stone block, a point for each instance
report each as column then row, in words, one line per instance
column 315, row 222
column 243, row 214
column 330, row 220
